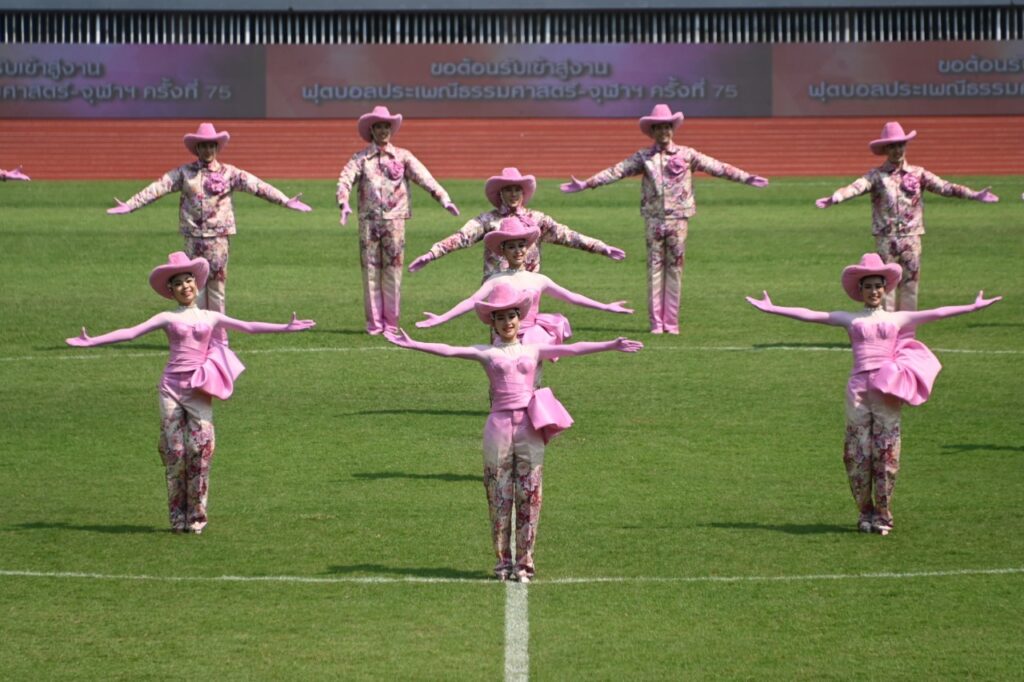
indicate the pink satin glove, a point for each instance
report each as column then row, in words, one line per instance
column 624, row 345
column 346, row 211
column 15, row 174
column 420, row 262
column 399, row 338
column 120, row 208
column 296, row 205
column 431, row 321
column 617, row 307
column 823, row 202
column 979, row 303
column 614, row 253
column 575, row 185
column 757, row 181
column 985, row 196
column 764, row 304
column 451, row 207
column 83, row 340
column 296, row 325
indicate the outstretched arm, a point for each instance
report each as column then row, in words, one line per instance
column 915, row 317
column 854, row 189
column 836, row 319
column 295, row 325
column 419, row 174
column 621, row 344
column 83, row 340
column 933, row 183
column 634, row 165
column 15, row 174
column 469, row 234
column 561, row 293
column 402, row 340
column 170, row 181
column 554, row 232
column 244, row 181
column 460, row 308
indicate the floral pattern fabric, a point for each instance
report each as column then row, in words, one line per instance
column 186, row 448
column 381, row 254
column 666, row 257
column 214, row 295
column 871, row 451
column 906, row 251
column 381, row 176
column 205, row 208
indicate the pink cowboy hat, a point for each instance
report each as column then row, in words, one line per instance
column 176, row 264
column 509, row 176
column 378, row 114
column 502, row 297
column 511, row 228
column 660, row 114
column 870, row 265
column 206, row 133
column 892, row 133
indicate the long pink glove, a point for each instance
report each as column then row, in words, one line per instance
column 120, row 208
column 297, row 205
column 573, row 186
column 563, row 294
column 757, row 181
column 985, row 196
column 346, row 210
column 295, row 325
column 160, row 320
column 451, row 207
column 621, row 344
column 803, row 314
column 15, row 174
column 402, row 340
column 460, row 308
column 614, row 253
column 923, row 316
column 420, row 262
column 825, row 202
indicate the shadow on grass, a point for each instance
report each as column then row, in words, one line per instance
column 769, row 346
column 790, row 528
column 382, row 475
column 437, row 572
column 89, row 528
column 958, row 448
column 450, row 413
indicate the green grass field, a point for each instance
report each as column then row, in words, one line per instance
column 697, row 521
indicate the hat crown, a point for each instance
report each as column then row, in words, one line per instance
column 381, row 111
column 206, row 130
column 503, row 295
column 872, row 261
column 892, row 129
column 177, row 258
column 511, row 174
column 661, row 111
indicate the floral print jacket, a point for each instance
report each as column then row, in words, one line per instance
column 550, row 231
column 205, row 209
column 383, row 175
column 897, row 204
column 667, row 190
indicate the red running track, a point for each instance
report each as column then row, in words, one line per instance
column 478, row 148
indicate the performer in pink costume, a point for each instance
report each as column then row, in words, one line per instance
column 206, row 215
column 897, row 208
column 521, row 422
column 15, row 174
column 509, row 193
column 382, row 173
column 512, row 241
column 196, row 371
column 889, row 368
column 667, row 203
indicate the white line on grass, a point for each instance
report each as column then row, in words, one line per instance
column 386, row 580
column 517, row 633
column 272, row 351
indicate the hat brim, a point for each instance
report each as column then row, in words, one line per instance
column 484, row 310
column 494, row 240
column 852, row 275
column 648, row 122
column 494, row 185
column 191, row 141
column 366, row 122
column 877, row 145
column 162, row 274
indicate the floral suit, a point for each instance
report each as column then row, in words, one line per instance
column 382, row 175
column 667, row 203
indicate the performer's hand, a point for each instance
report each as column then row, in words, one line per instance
column 297, row 325
column 451, row 207
column 120, row 208
column 16, row 174
column 764, row 304
column 346, row 210
column 420, row 262
column 979, row 303
column 757, row 181
column 80, row 341
column 625, row 345
column 823, row 202
column 297, row 205
column 985, row 196
column 617, row 307
column 576, row 185
column 399, row 338
column 614, row 253
column 431, row 321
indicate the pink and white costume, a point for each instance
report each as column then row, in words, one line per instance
column 889, row 368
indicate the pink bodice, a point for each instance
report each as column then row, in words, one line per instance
column 900, row 367
column 189, row 344
column 873, row 344
column 511, row 373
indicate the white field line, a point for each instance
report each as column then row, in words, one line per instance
column 517, row 632
column 411, row 579
column 100, row 355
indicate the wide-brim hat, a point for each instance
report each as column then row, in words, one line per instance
column 660, row 114
column 206, row 133
column 509, row 176
column 177, row 263
column 892, row 133
column 870, row 265
column 378, row 114
column 502, row 297
column 511, row 228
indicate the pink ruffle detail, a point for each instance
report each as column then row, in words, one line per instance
column 910, row 375
column 217, row 374
column 547, row 415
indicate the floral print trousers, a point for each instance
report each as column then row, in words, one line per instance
column 186, row 447
column 381, row 253
column 215, row 251
column 871, row 452
column 666, row 257
column 513, row 472
column 906, row 251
